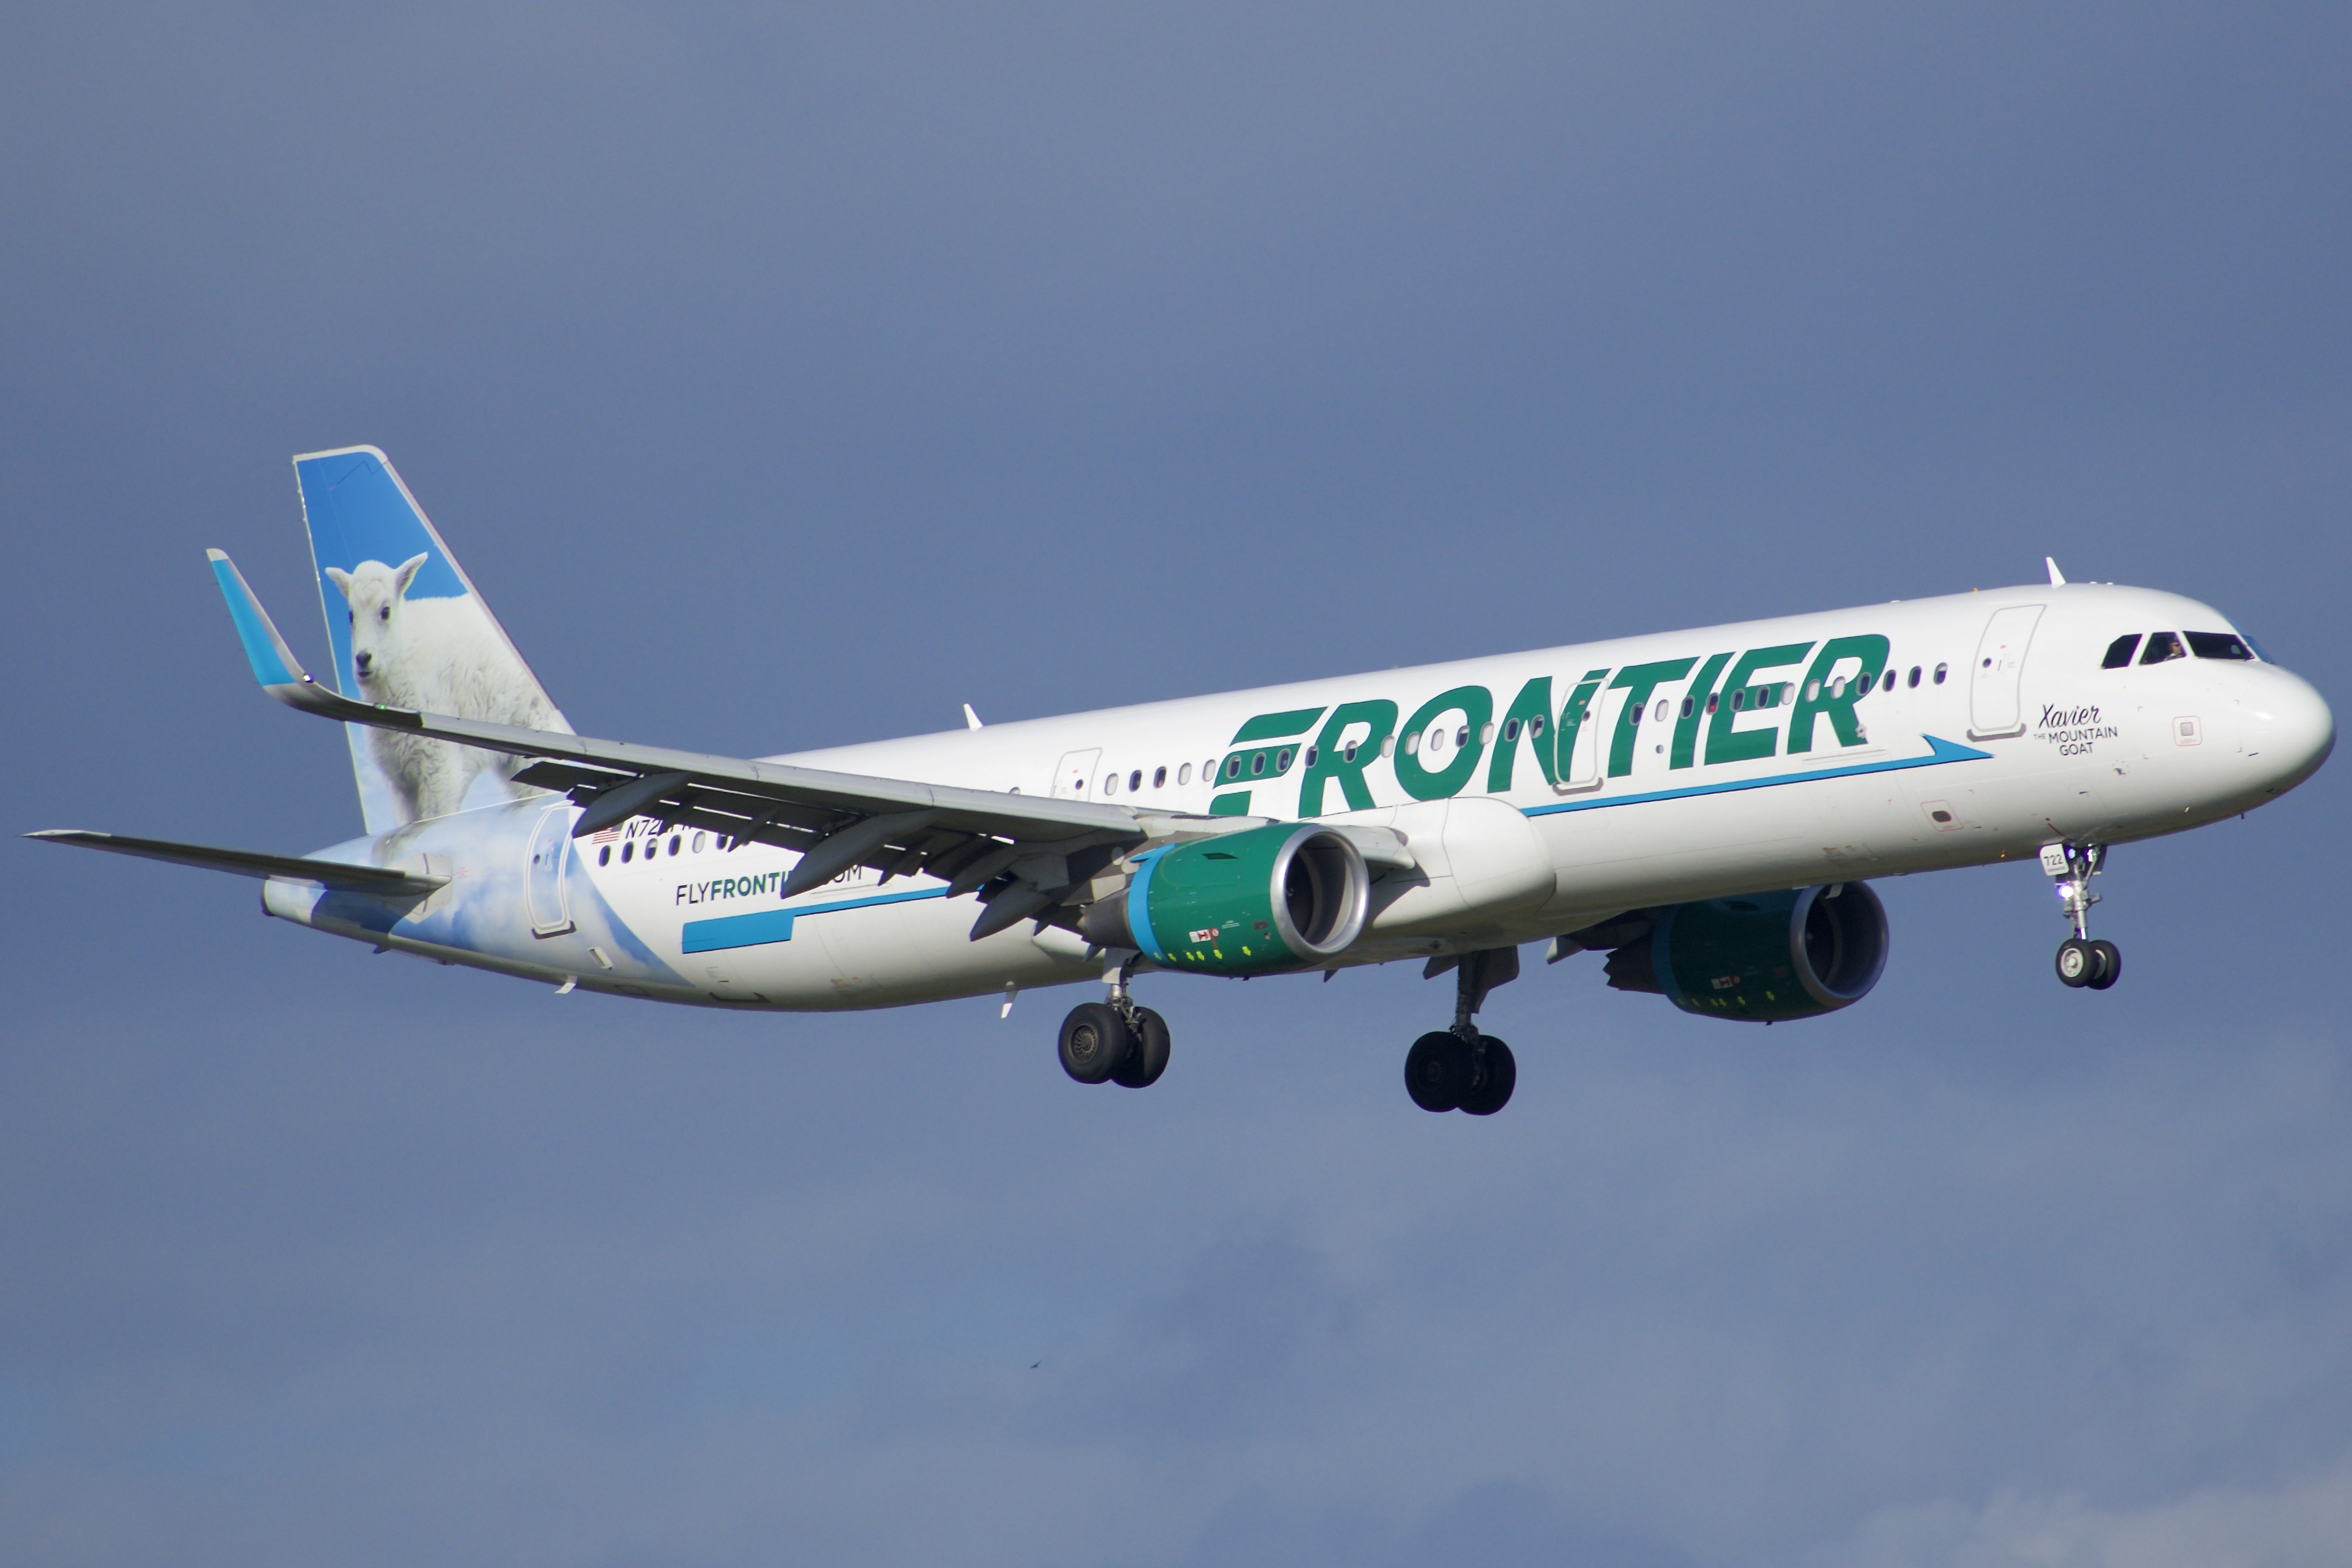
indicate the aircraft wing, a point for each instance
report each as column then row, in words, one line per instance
column 1025, row 854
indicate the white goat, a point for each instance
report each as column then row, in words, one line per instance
column 437, row 656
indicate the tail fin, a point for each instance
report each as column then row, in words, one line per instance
column 409, row 631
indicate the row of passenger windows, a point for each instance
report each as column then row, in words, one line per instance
column 2165, row 646
column 1275, row 761
column 648, row 848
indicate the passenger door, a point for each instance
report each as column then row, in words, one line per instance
column 550, row 841
column 1993, row 703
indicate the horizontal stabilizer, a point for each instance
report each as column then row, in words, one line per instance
column 376, row 879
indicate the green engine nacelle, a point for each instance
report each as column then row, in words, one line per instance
column 1765, row 957
column 1282, row 897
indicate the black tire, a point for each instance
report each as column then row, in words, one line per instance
column 1148, row 1060
column 1437, row 1070
column 2077, row 962
column 2110, row 965
column 1093, row 1042
column 1496, row 1072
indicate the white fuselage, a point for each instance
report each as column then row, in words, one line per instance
column 2011, row 736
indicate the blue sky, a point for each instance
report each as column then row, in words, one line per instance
column 789, row 378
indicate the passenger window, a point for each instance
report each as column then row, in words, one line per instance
column 696, row 844
column 2217, row 645
column 1233, row 766
column 1135, row 780
column 1887, row 684
column 1110, row 783
column 2163, row 646
column 605, row 856
column 1711, row 699
column 1159, row 778
column 1941, row 671
column 1738, row 699
column 673, row 843
column 628, row 853
column 1257, row 765
column 1185, row 774
column 1511, row 730
column 1688, row 704
column 2119, row 651
column 1915, row 677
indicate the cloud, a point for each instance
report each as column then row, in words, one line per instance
column 2305, row 1522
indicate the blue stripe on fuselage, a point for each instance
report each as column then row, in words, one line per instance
column 765, row 926
column 1940, row 751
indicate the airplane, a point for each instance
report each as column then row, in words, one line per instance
column 1707, row 809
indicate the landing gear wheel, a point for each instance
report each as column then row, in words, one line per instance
column 1437, row 1070
column 1148, row 1060
column 2111, row 965
column 1095, row 1042
column 2078, row 963
column 1496, row 1074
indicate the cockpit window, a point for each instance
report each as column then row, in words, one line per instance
column 2260, row 651
column 2119, row 651
column 2218, row 644
column 2162, row 645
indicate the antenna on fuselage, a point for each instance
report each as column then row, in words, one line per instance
column 972, row 719
column 2057, row 579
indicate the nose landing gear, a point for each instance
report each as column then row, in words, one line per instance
column 1460, row 1068
column 2082, row 963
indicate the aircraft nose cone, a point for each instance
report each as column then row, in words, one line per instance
column 2287, row 729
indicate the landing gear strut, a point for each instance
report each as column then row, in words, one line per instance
column 1113, row 1040
column 1460, row 1068
column 2081, row 960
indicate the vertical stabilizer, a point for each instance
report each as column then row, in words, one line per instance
column 409, row 631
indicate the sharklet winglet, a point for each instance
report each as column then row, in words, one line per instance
column 274, row 664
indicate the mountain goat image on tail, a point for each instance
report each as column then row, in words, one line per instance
column 437, row 656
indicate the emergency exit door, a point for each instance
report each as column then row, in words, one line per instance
column 1075, row 778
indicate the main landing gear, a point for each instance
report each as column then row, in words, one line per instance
column 1460, row 1068
column 1115, row 1041
column 2082, row 963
